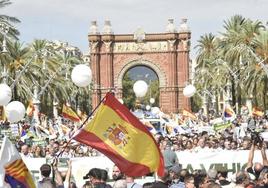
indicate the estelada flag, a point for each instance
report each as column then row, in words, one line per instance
column 13, row 171
column 189, row 114
column 229, row 113
column 118, row 134
column 257, row 112
column 30, row 109
column 68, row 113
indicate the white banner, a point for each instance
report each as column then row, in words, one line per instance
column 232, row 160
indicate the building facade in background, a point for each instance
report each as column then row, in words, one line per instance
column 167, row 54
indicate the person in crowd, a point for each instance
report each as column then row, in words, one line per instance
column 174, row 174
column 66, row 152
column 257, row 167
column 227, row 144
column 131, row 183
column 242, row 179
column 48, row 182
column 104, row 178
column 25, row 151
column 56, row 148
column 147, row 185
column 263, row 179
column 201, row 145
column 234, row 145
column 200, row 178
column 246, row 143
column 252, row 122
column 95, row 177
column 212, row 175
column 66, row 175
column 117, row 174
column 122, row 183
column 222, row 178
column 38, row 152
column 189, row 181
column 170, row 157
column 162, row 182
column 214, row 185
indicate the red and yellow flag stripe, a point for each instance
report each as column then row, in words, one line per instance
column 68, row 113
column 20, row 172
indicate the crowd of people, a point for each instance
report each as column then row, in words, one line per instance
column 242, row 134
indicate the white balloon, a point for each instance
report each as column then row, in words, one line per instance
column 5, row 94
column 148, row 107
column 155, row 110
column 81, row 75
column 152, row 100
column 140, row 88
column 189, row 91
column 15, row 111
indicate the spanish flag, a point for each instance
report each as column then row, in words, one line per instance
column 13, row 170
column 189, row 114
column 118, row 134
column 257, row 112
column 68, row 113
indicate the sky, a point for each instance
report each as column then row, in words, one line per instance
column 69, row 20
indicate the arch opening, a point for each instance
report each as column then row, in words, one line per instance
column 147, row 74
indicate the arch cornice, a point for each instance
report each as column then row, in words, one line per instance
column 143, row 62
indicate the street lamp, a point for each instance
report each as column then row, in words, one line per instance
column 4, row 28
column 259, row 61
column 15, row 110
column 4, row 31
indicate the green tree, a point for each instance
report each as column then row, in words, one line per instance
column 128, row 93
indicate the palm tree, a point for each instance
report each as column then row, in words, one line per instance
column 17, row 60
column 234, row 54
column 8, row 21
column 239, row 31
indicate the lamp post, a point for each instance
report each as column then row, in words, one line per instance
column 236, row 75
column 249, row 103
column 4, row 29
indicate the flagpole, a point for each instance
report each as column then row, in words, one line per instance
column 82, row 125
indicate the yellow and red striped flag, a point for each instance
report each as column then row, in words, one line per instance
column 257, row 112
column 189, row 114
column 12, row 168
column 118, row 134
column 30, row 109
column 68, row 113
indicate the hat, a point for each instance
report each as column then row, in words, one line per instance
column 94, row 173
column 176, row 169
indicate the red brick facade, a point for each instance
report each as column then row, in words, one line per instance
column 165, row 53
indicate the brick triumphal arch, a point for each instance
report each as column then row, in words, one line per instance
column 167, row 54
